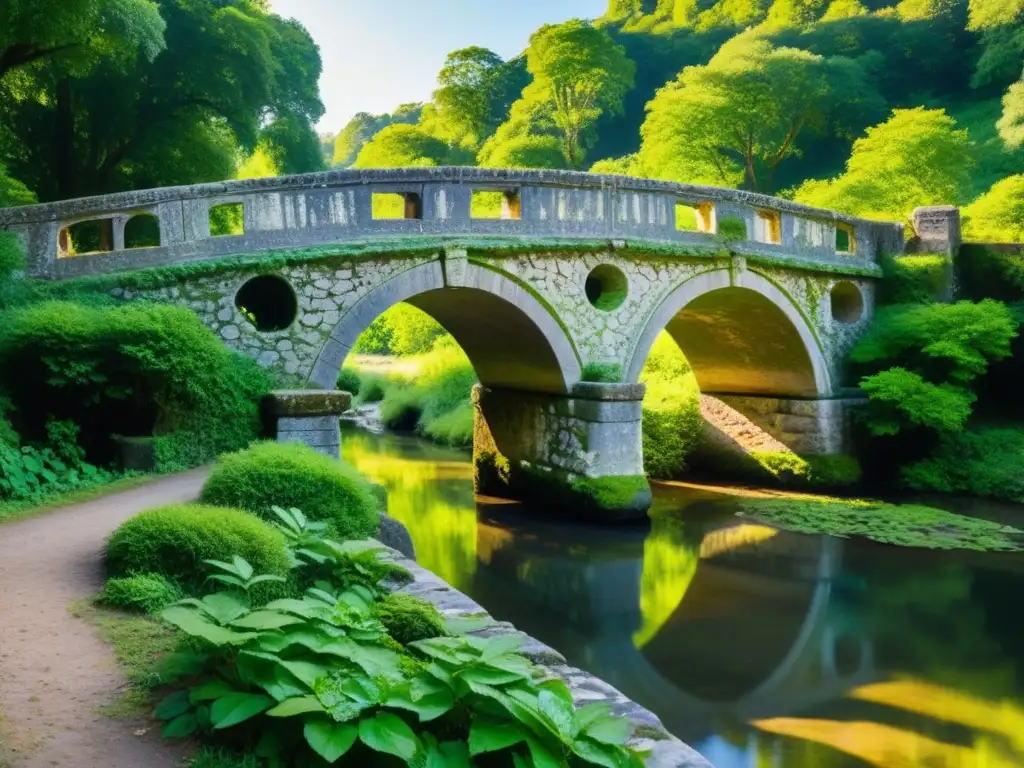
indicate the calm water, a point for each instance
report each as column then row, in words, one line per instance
column 759, row 648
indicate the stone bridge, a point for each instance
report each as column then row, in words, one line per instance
column 548, row 280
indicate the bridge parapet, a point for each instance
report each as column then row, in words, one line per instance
column 338, row 206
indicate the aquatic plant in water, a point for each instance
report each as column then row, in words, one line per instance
column 907, row 525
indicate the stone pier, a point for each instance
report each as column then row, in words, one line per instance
column 581, row 454
column 310, row 416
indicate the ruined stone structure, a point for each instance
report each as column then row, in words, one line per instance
column 544, row 277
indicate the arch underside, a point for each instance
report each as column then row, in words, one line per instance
column 511, row 339
column 739, row 342
column 506, row 348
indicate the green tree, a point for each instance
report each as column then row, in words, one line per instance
column 529, row 151
column 1011, row 124
column 475, row 91
column 401, row 145
column 917, row 157
column 292, row 145
column 530, row 119
column 79, row 31
column 998, row 215
column 364, row 126
column 582, row 73
column 13, row 192
column 180, row 118
column 737, row 119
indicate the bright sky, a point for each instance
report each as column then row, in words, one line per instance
column 378, row 54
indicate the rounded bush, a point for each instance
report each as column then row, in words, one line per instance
column 348, row 381
column 294, row 475
column 148, row 592
column 174, row 541
column 408, row 618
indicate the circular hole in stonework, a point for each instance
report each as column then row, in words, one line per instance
column 847, row 303
column 268, row 302
column 606, row 287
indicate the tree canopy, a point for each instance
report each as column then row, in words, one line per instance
column 223, row 76
column 738, row 118
column 917, row 157
column 400, row 145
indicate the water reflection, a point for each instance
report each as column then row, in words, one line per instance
column 759, row 648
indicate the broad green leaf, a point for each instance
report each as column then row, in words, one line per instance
column 266, row 620
column 388, row 733
column 558, row 712
column 519, row 665
column 426, row 686
column 306, row 671
column 180, row 727
column 203, row 716
column 192, row 623
column 542, row 756
column 609, row 730
column 501, row 645
column 242, row 567
column 174, row 705
column 297, row 706
column 225, row 606
column 330, row 740
column 427, row 708
column 228, row 567
column 307, row 609
column 521, row 761
column 265, row 577
column 486, row 736
column 362, row 689
column 597, row 754
column 588, row 713
column 211, row 689
column 236, row 708
column 448, row 754
column 180, row 664
column 231, row 581
column 491, row 676
column 282, row 684
column 463, row 625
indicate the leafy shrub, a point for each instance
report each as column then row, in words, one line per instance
column 732, row 229
column 672, row 422
column 400, row 409
column 147, row 592
column 914, row 279
column 295, row 475
column 988, row 461
column 174, row 541
column 402, row 330
column 921, row 359
column 135, row 369
column 371, row 388
column 444, row 388
column 320, row 676
column 408, row 618
column 348, row 381
column 608, row 373
column 454, row 427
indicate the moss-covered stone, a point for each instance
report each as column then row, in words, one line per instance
column 408, row 618
column 309, row 402
column 908, row 525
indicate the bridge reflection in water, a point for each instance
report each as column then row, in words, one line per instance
column 761, row 649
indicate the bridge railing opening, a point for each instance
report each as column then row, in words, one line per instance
column 164, row 226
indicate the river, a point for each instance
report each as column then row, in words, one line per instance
column 759, row 648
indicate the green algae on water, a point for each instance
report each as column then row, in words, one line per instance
column 906, row 525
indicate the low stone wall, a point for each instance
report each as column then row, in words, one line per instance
column 649, row 735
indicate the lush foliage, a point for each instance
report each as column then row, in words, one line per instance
column 102, row 96
column 998, row 215
column 986, row 461
column 671, row 411
column 136, row 369
column 295, row 475
column 913, row 279
column 737, row 119
column 904, row 525
column 917, row 157
column 401, row 330
column 920, row 361
column 174, row 541
column 146, row 592
column 318, row 678
column 609, row 373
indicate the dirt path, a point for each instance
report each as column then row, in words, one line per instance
column 55, row 671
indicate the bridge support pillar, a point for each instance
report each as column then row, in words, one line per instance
column 310, row 416
column 806, row 427
column 579, row 454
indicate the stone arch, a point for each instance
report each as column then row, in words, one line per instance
column 742, row 335
column 512, row 340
